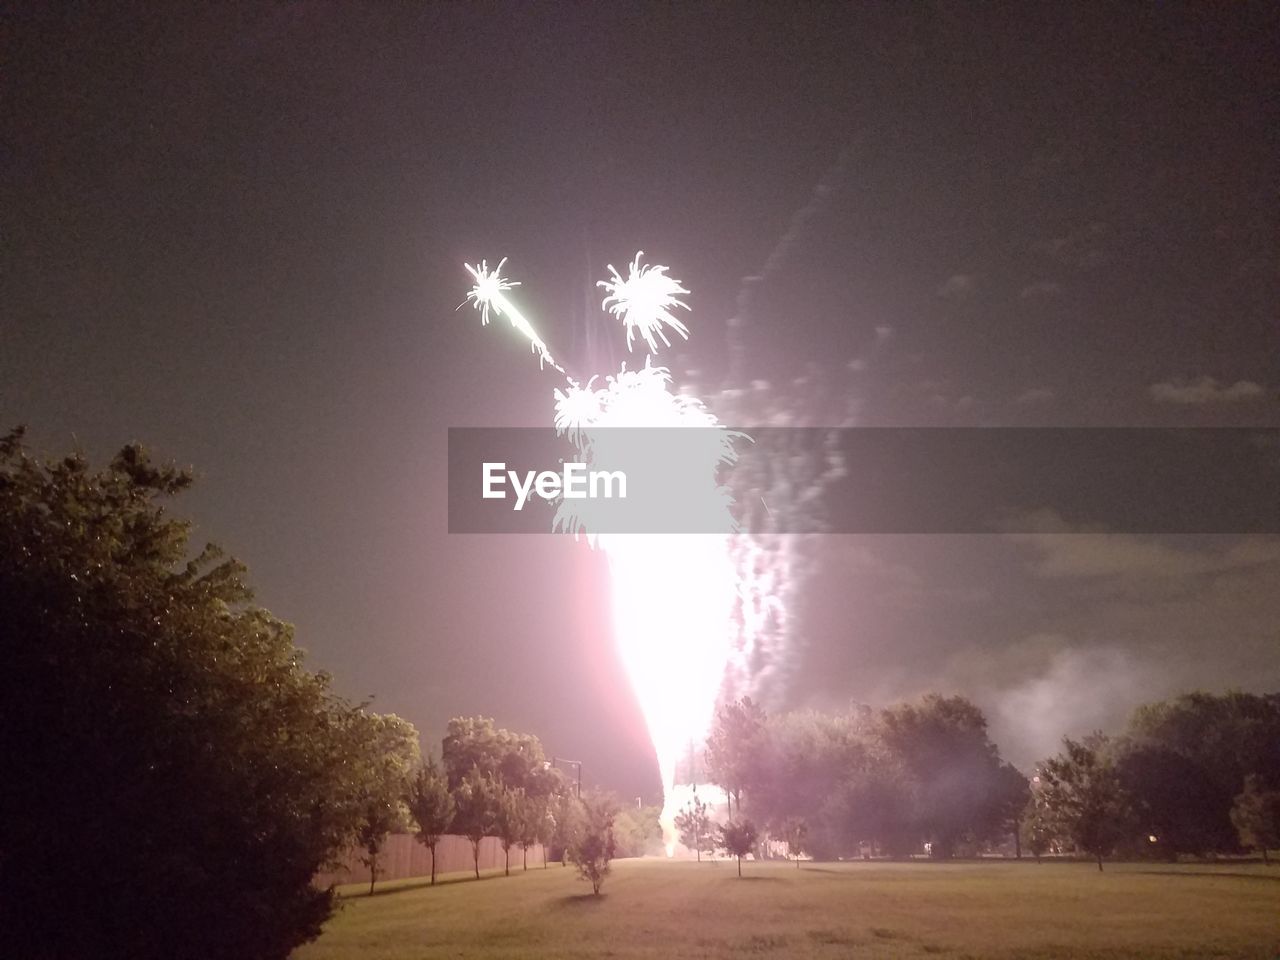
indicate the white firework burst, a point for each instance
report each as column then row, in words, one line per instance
column 488, row 293
column 643, row 301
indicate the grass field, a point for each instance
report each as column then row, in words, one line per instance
column 658, row 909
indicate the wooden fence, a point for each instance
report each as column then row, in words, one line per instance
column 403, row 857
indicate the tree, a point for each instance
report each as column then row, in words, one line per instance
column 391, row 752
column 508, row 821
column 430, row 806
column 1082, row 793
column 476, row 810
column 734, row 747
column 942, row 742
column 1184, row 760
column 592, row 846
column 515, row 759
column 1256, row 816
column 637, row 832
column 566, row 823
column 737, row 838
column 695, row 828
column 1011, row 791
column 158, row 726
column 1036, row 828
column 533, row 817
column 796, row 832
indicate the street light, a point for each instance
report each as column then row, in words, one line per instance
column 575, row 763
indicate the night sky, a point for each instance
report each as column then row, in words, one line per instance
column 236, row 234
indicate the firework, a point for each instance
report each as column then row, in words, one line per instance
column 674, row 596
column 490, row 294
column 643, row 301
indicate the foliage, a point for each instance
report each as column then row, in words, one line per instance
column 695, row 828
column 942, row 743
column 592, row 847
column 637, row 832
column 431, row 806
column 513, row 759
column 734, row 746
column 509, row 821
column 1036, row 827
column 1083, row 795
column 1185, row 760
column 393, row 749
column 475, row 817
column 737, row 838
column 1256, row 816
column 158, row 727
column 565, row 814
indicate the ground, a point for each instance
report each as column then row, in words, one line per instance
column 658, row 909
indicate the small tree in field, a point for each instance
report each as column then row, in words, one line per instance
column 431, row 806
column 696, row 830
column 796, row 832
column 476, row 800
column 737, row 837
column 1256, row 817
column 592, row 847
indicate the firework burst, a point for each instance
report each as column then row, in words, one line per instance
column 643, row 301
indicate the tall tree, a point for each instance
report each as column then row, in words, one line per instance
column 1256, row 815
column 734, row 746
column 431, row 806
column 1011, row 791
column 1186, row 759
column 1082, row 792
column 476, row 810
column 158, row 725
column 943, row 743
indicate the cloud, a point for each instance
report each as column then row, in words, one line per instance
column 1064, row 554
column 1204, row 390
column 959, row 286
column 1035, row 395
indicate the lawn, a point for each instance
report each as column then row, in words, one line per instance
column 659, row 909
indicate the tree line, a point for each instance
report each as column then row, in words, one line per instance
column 1198, row 774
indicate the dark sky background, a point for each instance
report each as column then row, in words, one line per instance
column 236, row 233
